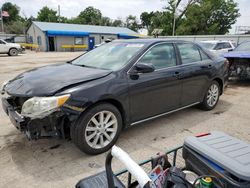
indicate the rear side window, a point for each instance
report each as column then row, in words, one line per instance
column 222, row 45
column 189, row 53
column 203, row 56
column 161, row 56
column 219, row 46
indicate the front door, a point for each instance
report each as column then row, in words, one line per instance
column 51, row 44
column 91, row 43
column 154, row 93
column 3, row 47
column 196, row 70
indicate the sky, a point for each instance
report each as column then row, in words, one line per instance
column 112, row 8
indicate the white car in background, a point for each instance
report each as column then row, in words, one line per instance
column 218, row 47
column 12, row 49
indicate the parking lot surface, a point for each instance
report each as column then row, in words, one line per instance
column 58, row 163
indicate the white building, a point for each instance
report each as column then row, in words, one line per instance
column 55, row 36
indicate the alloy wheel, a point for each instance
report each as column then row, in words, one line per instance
column 101, row 129
column 212, row 95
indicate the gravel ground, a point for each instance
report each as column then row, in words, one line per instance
column 58, row 163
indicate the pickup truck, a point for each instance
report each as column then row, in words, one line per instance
column 12, row 49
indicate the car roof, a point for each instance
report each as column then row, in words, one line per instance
column 214, row 41
column 150, row 40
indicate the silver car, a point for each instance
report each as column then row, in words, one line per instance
column 218, row 47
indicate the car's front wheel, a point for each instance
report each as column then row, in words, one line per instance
column 97, row 130
column 211, row 97
column 13, row 52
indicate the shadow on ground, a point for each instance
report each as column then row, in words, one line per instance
column 50, row 160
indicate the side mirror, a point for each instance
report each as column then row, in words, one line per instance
column 144, row 68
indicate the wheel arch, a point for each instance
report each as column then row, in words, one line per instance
column 12, row 48
column 220, row 82
column 115, row 103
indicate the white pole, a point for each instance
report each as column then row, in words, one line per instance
column 59, row 13
column 2, row 20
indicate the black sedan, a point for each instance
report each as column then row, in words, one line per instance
column 92, row 98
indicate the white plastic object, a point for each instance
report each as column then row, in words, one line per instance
column 131, row 165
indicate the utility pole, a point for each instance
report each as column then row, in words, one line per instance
column 174, row 21
column 59, row 14
column 2, row 20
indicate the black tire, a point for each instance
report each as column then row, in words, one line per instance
column 13, row 52
column 205, row 103
column 78, row 130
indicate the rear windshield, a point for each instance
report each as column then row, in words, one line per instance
column 112, row 56
column 243, row 47
column 207, row 45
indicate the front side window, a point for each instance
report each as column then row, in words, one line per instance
column 111, row 56
column 160, row 56
column 189, row 53
column 78, row 41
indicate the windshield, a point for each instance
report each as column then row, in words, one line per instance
column 2, row 41
column 243, row 47
column 207, row 45
column 111, row 56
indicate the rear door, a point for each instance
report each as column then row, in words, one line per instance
column 196, row 70
column 154, row 93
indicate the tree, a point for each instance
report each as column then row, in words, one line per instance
column 91, row 16
column 193, row 17
column 106, row 21
column 118, row 23
column 15, row 27
column 47, row 15
column 146, row 19
column 13, row 11
column 132, row 23
column 210, row 17
column 161, row 20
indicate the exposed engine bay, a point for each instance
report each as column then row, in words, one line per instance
column 239, row 67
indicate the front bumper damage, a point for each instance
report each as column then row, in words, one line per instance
column 55, row 125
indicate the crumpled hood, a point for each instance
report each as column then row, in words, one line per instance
column 46, row 81
column 237, row 54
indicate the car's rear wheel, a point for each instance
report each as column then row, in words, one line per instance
column 211, row 97
column 13, row 52
column 97, row 130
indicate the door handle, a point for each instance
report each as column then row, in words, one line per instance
column 176, row 74
column 206, row 66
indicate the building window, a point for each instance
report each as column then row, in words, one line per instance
column 30, row 39
column 78, row 41
column 39, row 40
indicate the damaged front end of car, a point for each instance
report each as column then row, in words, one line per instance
column 239, row 67
column 40, row 117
